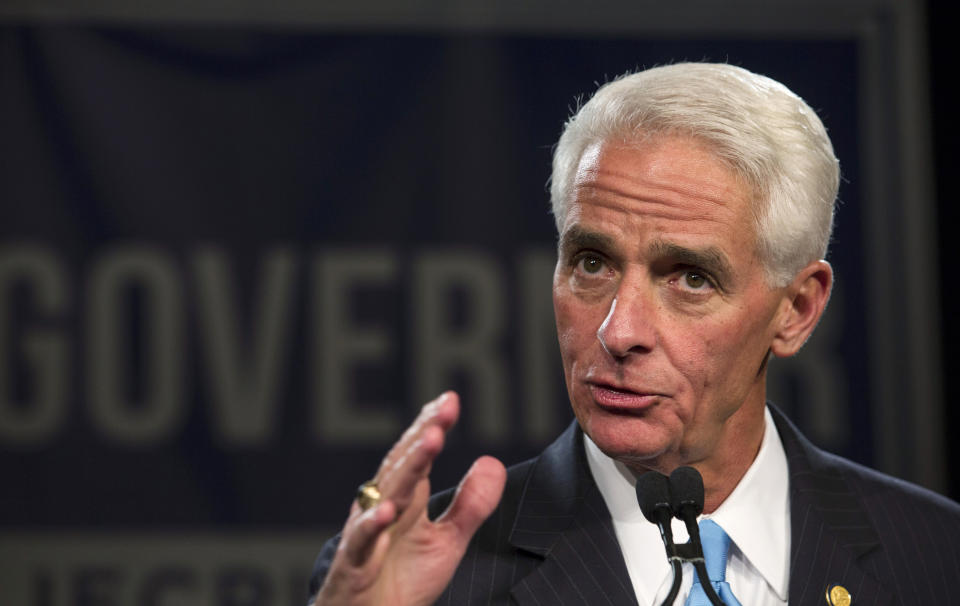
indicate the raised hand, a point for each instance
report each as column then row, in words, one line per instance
column 392, row 553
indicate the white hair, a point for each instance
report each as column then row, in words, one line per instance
column 764, row 132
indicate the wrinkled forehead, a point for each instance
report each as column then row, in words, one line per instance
column 652, row 139
column 667, row 161
column 673, row 189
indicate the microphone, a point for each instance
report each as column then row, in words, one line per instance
column 686, row 501
column 653, row 495
column 686, row 497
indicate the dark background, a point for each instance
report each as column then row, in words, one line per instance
column 168, row 142
column 945, row 132
column 189, row 144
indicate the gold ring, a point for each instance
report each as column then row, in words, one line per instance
column 368, row 495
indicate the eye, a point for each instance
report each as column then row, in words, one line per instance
column 590, row 264
column 695, row 280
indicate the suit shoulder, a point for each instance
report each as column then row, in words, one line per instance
column 876, row 487
column 820, row 471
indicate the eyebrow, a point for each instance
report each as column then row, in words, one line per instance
column 710, row 258
column 577, row 238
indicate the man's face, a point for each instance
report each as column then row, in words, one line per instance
column 663, row 313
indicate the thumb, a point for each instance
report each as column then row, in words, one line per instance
column 477, row 496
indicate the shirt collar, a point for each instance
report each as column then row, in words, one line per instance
column 756, row 515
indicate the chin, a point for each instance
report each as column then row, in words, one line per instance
column 630, row 440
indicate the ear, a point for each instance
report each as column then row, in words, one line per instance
column 804, row 301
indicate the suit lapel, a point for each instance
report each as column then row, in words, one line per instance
column 830, row 531
column 563, row 519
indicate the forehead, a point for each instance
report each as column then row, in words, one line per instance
column 670, row 185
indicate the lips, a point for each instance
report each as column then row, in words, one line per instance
column 620, row 399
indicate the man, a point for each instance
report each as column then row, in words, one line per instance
column 694, row 204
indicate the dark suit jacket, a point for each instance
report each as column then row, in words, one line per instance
column 551, row 540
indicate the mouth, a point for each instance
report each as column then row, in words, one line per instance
column 622, row 400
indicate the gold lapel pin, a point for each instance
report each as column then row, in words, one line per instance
column 837, row 595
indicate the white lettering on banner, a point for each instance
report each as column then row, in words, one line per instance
column 244, row 373
column 466, row 321
column 75, row 569
column 440, row 348
column 155, row 415
column 340, row 344
column 33, row 421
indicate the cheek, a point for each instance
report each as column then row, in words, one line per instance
column 570, row 332
column 693, row 358
column 708, row 355
column 562, row 315
column 721, row 362
column 569, row 313
column 577, row 325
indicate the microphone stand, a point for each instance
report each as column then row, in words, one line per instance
column 675, row 587
column 686, row 501
column 653, row 495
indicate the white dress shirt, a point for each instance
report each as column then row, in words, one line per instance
column 756, row 515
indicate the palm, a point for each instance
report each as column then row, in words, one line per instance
column 426, row 550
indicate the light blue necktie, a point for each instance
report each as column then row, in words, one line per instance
column 716, row 544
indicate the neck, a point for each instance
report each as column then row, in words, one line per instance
column 728, row 463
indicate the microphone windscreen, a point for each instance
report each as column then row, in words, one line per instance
column 653, row 494
column 686, row 489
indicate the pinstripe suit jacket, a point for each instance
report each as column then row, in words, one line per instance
column 551, row 540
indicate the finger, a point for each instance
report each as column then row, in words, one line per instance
column 441, row 412
column 366, row 532
column 411, row 457
column 477, row 496
column 400, row 481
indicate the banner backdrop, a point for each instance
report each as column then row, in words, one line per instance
column 235, row 262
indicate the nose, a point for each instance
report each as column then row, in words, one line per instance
column 628, row 327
